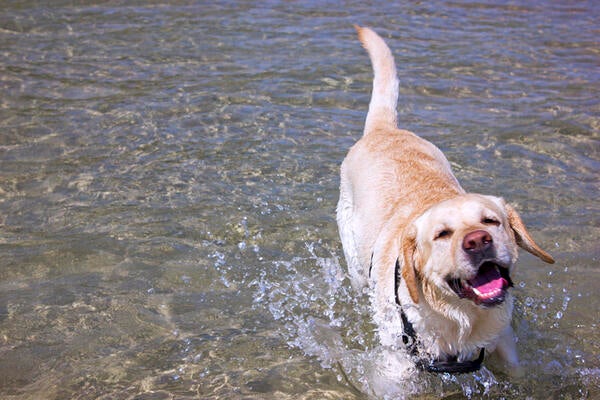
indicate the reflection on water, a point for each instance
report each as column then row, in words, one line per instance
column 169, row 176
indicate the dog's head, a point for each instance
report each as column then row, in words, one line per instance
column 465, row 247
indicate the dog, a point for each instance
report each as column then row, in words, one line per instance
column 439, row 260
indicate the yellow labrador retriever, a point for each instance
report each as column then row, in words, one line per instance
column 439, row 259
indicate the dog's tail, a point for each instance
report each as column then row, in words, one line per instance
column 384, row 99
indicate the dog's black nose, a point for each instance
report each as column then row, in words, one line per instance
column 477, row 241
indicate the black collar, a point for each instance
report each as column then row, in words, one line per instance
column 411, row 341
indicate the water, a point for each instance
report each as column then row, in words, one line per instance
column 169, row 175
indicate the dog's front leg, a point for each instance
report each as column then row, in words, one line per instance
column 383, row 281
column 506, row 350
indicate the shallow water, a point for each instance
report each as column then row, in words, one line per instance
column 169, row 177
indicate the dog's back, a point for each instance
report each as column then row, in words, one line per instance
column 389, row 171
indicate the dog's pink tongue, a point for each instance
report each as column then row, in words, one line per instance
column 488, row 280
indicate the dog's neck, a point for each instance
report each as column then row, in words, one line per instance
column 448, row 364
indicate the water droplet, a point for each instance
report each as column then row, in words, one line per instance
column 558, row 315
column 529, row 301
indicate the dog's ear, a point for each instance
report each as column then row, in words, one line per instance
column 523, row 238
column 408, row 253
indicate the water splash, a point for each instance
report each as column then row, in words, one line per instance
column 326, row 319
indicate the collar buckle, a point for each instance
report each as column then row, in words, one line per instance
column 452, row 366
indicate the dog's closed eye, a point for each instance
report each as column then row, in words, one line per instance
column 490, row 221
column 443, row 234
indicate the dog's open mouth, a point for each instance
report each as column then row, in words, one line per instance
column 487, row 288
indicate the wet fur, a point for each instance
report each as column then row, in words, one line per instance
column 396, row 189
